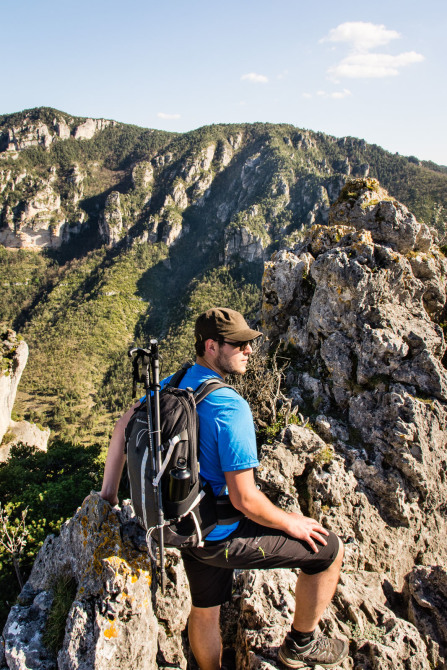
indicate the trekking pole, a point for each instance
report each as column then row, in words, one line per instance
column 150, row 361
column 157, row 435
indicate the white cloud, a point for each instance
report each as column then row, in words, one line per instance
column 361, row 35
column 373, row 65
column 335, row 95
column 339, row 95
column 256, row 78
column 307, row 95
column 162, row 115
column 361, row 62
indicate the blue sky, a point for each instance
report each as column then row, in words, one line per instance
column 371, row 70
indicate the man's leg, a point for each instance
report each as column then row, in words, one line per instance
column 301, row 648
column 314, row 593
column 204, row 636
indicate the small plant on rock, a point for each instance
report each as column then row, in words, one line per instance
column 13, row 536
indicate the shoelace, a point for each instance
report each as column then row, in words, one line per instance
column 320, row 645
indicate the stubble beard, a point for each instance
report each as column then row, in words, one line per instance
column 227, row 366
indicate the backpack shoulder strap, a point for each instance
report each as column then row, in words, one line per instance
column 208, row 386
column 178, row 376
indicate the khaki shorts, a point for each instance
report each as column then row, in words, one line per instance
column 250, row 546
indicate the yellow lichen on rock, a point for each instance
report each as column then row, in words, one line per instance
column 111, row 631
column 323, row 238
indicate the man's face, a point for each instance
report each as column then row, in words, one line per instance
column 231, row 360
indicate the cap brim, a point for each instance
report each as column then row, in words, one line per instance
column 245, row 335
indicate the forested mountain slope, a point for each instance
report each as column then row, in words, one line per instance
column 137, row 230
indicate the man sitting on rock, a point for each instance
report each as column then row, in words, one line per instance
column 266, row 536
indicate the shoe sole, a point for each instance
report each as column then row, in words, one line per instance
column 302, row 664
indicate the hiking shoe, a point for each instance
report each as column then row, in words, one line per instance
column 320, row 651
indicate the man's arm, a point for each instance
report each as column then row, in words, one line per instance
column 115, row 459
column 249, row 500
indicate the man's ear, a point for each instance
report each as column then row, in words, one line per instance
column 211, row 347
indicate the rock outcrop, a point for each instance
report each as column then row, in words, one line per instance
column 116, row 620
column 111, row 220
column 32, row 210
column 32, row 131
column 359, row 309
column 14, row 355
column 359, row 304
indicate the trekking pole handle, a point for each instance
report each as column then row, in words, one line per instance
column 141, row 356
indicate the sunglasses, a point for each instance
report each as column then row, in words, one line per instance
column 241, row 345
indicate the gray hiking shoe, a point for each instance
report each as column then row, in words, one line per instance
column 320, row 651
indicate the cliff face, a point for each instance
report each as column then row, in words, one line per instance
column 14, row 355
column 30, row 129
column 40, row 208
column 359, row 304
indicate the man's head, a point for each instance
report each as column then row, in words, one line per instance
column 223, row 340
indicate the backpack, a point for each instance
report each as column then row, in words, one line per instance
column 186, row 521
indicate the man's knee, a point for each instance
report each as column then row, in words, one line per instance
column 338, row 559
column 204, row 615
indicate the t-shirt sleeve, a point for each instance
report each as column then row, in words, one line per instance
column 236, row 438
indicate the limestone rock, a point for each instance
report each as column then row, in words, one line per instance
column 113, row 619
column 224, row 153
column 172, row 227
column 367, row 206
column 39, row 223
column 243, row 244
column 285, row 278
column 75, row 178
column 23, row 633
column 266, row 609
column 249, row 172
column 87, row 129
column 142, row 175
column 111, row 220
column 369, row 370
column 34, row 213
column 178, row 196
column 24, row 432
column 426, row 597
column 30, row 133
column 201, row 189
column 62, row 128
column 14, row 357
column 197, row 164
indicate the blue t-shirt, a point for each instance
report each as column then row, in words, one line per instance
column 227, row 435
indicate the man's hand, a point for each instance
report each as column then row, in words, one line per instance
column 113, row 500
column 307, row 529
column 256, row 506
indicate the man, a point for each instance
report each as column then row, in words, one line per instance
column 266, row 536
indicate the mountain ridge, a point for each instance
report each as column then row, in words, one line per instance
column 138, row 229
